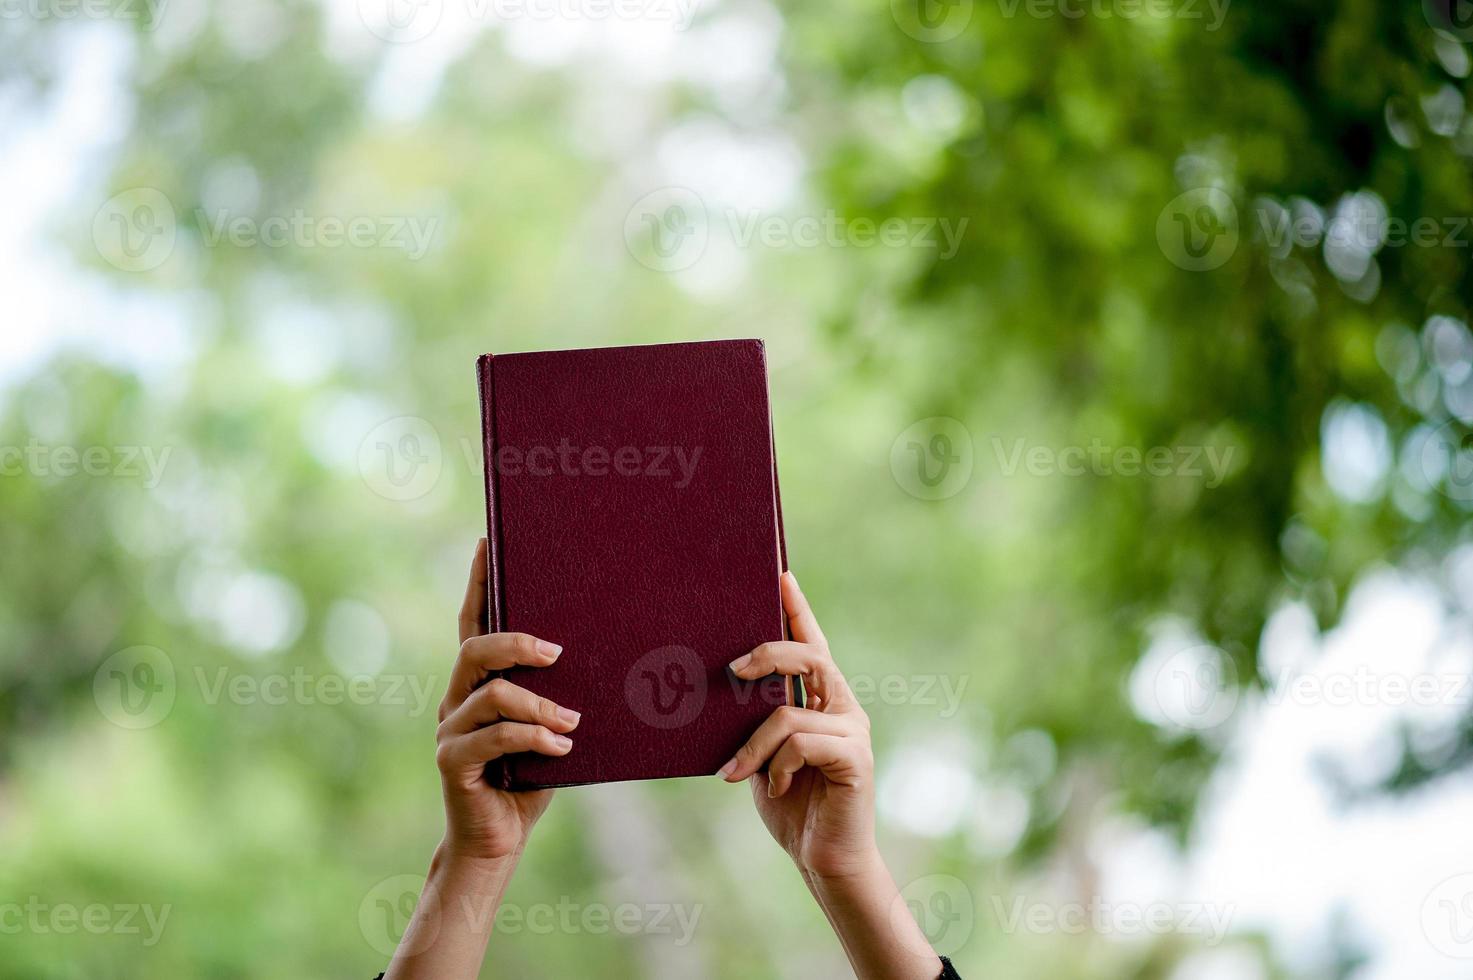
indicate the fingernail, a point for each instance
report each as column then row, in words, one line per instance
column 725, row 771
column 548, row 649
column 562, row 741
column 568, row 715
column 792, row 576
column 771, row 789
column 740, row 663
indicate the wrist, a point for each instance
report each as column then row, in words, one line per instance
column 454, row 916
column 846, row 870
column 873, row 923
column 861, row 875
column 461, row 862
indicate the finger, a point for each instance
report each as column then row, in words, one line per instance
column 770, row 736
column 503, row 699
column 822, row 678
column 480, row 655
column 494, row 741
column 801, row 621
column 780, row 657
column 473, row 607
column 844, row 761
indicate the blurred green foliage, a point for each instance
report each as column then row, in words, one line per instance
column 1062, row 320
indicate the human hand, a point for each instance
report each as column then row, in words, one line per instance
column 817, row 799
column 481, row 721
column 817, row 794
column 485, row 827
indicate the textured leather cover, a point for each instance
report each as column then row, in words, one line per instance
column 633, row 517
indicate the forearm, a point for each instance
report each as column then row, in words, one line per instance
column 881, row 939
column 446, row 939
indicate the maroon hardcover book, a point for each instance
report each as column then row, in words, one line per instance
column 633, row 517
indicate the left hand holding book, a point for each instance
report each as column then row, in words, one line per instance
column 481, row 722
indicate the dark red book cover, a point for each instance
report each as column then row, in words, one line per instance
column 633, row 517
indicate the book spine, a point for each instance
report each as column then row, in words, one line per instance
column 797, row 696
column 498, row 772
column 777, row 493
